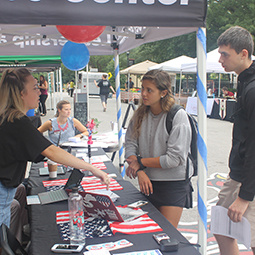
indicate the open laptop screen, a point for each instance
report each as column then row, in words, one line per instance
column 74, row 180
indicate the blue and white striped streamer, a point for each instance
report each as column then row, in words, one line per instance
column 119, row 120
column 201, row 139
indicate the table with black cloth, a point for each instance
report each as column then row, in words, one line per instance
column 44, row 231
column 213, row 108
column 230, row 109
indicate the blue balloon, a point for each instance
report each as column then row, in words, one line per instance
column 75, row 56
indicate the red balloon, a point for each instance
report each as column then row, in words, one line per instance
column 80, row 34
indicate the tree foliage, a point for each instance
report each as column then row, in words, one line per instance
column 223, row 14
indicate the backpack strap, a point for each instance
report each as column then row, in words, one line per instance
column 169, row 123
column 170, row 116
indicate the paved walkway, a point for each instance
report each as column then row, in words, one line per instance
column 218, row 145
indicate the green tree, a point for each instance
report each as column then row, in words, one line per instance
column 67, row 75
column 100, row 62
column 223, row 14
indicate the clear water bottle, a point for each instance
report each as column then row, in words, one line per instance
column 76, row 214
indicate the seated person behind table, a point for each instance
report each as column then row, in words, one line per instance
column 129, row 84
column 226, row 93
column 63, row 124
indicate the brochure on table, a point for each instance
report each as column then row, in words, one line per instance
column 103, row 140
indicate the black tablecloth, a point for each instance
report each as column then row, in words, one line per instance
column 44, row 232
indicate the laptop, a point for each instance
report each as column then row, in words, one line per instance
column 74, row 180
column 101, row 206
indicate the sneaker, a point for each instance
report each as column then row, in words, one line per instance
column 104, row 110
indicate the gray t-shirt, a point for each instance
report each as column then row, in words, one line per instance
column 154, row 141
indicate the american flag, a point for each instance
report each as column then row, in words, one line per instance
column 62, row 219
column 100, row 165
column 143, row 224
column 105, row 201
column 88, row 185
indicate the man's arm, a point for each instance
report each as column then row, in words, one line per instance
column 112, row 89
column 95, row 83
column 247, row 189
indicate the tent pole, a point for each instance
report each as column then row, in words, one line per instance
column 219, row 86
column 60, row 82
column 50, row 89
column 202, row 139
column 87, row 71
column 119, row 120
column 76, row 82
column 57, row 85
column 180, row 87
column 54, row 92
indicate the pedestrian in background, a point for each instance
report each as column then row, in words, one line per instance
column 71, row 88
column 104, row 86
column 43, row 86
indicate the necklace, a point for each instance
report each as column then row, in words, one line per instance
column 64, row 128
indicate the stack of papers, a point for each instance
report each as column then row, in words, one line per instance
column 221, row 224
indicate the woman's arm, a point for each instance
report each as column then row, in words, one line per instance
column 43, row 86
column 45, row 126
column 132, row 151
column 59, row 155
column 134, row 165
column 80, row 127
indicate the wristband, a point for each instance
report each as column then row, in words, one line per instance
column 140, row 163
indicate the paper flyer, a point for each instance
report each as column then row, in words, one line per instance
column 221, row 224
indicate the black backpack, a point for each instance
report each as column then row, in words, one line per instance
column 193, row 146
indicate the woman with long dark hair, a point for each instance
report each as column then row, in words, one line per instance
column 156, row 157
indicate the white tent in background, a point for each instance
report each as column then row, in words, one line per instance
column 173, row 65
column 140, row 68
column 212, row 64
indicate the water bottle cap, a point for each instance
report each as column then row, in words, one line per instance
column 74, row 189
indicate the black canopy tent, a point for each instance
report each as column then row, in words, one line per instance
column 129, row 24
column 152, row 13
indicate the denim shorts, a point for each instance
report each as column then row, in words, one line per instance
column 6, row 197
